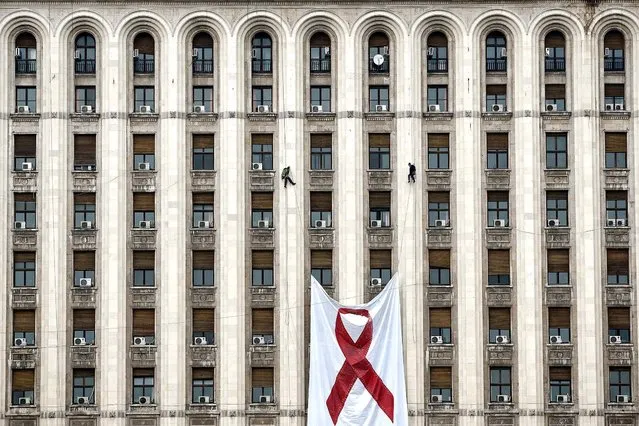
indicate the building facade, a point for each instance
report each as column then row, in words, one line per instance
column 157, row 268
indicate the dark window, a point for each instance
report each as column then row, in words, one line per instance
column 557, row 206
column 24, row 269
column 144, row 96
column 26, row 54
column 84, row 95
column 556, row 151
column 321, row 152
column 320, row 53
column 322, row 266
column 203, row 203
column 559, row 383
column 558, row 261
column 616, row 150
column 378, row 54
column 321, row 208
column 498, row 323
column 555, row 52
column 619, row 324
column 496, row 98
column 497, row 206
column 498, row 267
column 202, row 385
column 262, row 97
column 202, row 55
column 499, row 383
column 440, row 324
column 203, row 269
column 378, row 98
column 617, row 261
column 380, row 265
column 85, row 54
column 614, row 44
column 614, row 96
column 25, row 209
column 437, row 54
column 558, row 325
column 83, row 210
column 203, row 152
column 143, row 209
column 143, row 268
column 84, row 325
column 379, row 204
column 144, row 51
column 24, row 152
column 497, row 151
column 439, row 267
column 262, row 325
column 438, row 95
column 84, row 152
column 617, row 206
column 262, row 268
column 620, row 383
column 143, row 384
column 203, row 96
column 321, row 96
column 261, row 209
column 204, row 325
column 83, row 385
column 262, row 150
column 496, row 52
column 261, row 385
column 24, row 326
column 144, row 152
column 438, row 208
column 441, row 383
column 144, row 325
column 22, row 386
column 26, row 96
column 555, row 97
column 379, row 151
column 83, row 267
column 438, row 151
column 262, row 53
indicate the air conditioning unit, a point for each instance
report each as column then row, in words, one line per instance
column 256, row 166
column 24, row 109
column 503, row 52
column 376, row 223
column 263, row 223
column 24, row 401
column 145, row 109
column 611, row 222
column 320, row 224
column 20, row 341
column 553, row 223
column 199, row 109
column 145, row 224
column 254, row 54
column 563, row 399
column 499, row 223
column 503, row 398
column 497, row 108
column 86, row 109
column 27, row 166
column 203, row 224
column 384, row 50
column 265, row 399
column 607, row 52
column 327, row 51
column 555, row 340
column 194, row 53
column 551, row 107
column 434, row 108
column 441, row 223
column 136, row 53
column 139, row 341
column 376, row 282
column 144, row 400
column 431, row 51
column 620, row 222
column 263, row 108
column 614, row 340
column 203, row 399
column 381, row 108
column 17, row 53
column 85, row 282
column 259, row 340
column 619, row 107
column 20, row 225
column 79, row 341
column 82, row 400
column 76, row 55
column 86, row 224
column 436, row 340
column 610, row 107
column 200, row 341
column 501, row 340
column 317, row 108
column 623, row 398
column 436, row 399
column 547, row 52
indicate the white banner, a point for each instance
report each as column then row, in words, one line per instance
column 357, row 364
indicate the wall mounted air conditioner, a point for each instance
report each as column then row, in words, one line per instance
column 27, row 166
column 381, row 108
column 376, row 282
column 553, row 223
column 263, row 223
column 263, row 108
column 203, row 224
column 145, row 224
column 200, row 341
column 256, row 166
column 441, row 223
column 317, row 108
column 497, row 108
column 139, row 341
column 614, row 340
column 199, row 109
column 434, row 108
column 376, row 223
column 501, row 340
column 436, row 340
column 499, row 223
column 320, row 224
column 85, row 282
column 79, row 341
column 259, row 340
column 555, row 340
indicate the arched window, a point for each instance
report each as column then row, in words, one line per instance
column 555, row 52
column 144, row 54
column 26, row 53
column 378, row 53
column 320, row 53
column 496, row 52
column 613, row 51
column 202, row 53
column 85, row 54
column 262, row 53
column 437, row 55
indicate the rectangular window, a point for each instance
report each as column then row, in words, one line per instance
column 261, row 209
column 498, row 267
column 83, row 268
column 378, row 99
column 143, row 385
column 204, row 326
column 262, row 268
column 617, row 208
column 497, row 150
column 25, row 209
column 438, row 95
column 203, row 203
column 203, row 268
column 620, row 384
column 500, row 383
column 26, row 97
column 143, row 268
column 616, row 150
column 24, row 269
column 321, row 96
column 440, row 325
column 262, row 97
column 555, row 60
column 617, row 261
column 203, row 96
column 83, row 385
column 379, row 151
column 84, row 153
column 22, row 387
column 441, row 383
column 144, row 325
column 496, row 98
column 84, row 210
column 144, row 210
column 559, row 378
column 203, row 152
column 202, row 389
column 555, row 97
column 438, row 209
column 558, row 261
column 262, row 150
column 26, row 55
column 381, row 263
column 24, row 153
column 24, row 327
column 556, row 151
column 144, row 96
column 262, row 326
column 438, row 151
column 321, row 151
column 497, row 206
column 322, row 266
column 439, row 267
column 85, row 96
column 321, row 209
column 619, row 325
column 144, row 152
column 614, row 97
column 558, row 325
column 498, row 325
column 84, row 325
column 557, row 207
column 262, row 385
column 379, row 204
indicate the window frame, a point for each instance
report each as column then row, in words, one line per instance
column 29, row 96
column 500, row 385
column 144, row 99
column 203, row 96
column 378, row 95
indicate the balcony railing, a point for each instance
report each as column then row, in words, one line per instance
column 613, row 64
column 437, row 65
column 262, row 65
column 496, row 64
column 555, row 64
column 26, row 66
column 383, row 68
column 85, row 66
column 203, row 66
column 320, row 65
column 144, row 66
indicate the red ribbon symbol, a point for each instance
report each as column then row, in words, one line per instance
column 356, row 367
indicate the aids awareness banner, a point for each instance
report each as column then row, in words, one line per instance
column 357, row 365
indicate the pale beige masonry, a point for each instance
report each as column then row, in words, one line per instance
column 594, row 34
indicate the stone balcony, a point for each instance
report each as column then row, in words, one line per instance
column 203, row 238
column 84, row 181
column 143, row 297
column 380, row 180
column 617, row 236
column 208, row 411
column 143, row 239
column 558, row 295
column 23, row 357
column 439, row 180
column 439, row 237
column 262, row 355
column 203, row 355
column 82, row 410
column 262, row 238
column 616, row 179
column 557, row 178
column 25, row 239
column 501, row 354
column 143, row 181
column 441, row 354
column 498, row 238
column 262, row 180
column 262, row 296
column 557, row 237
column 143, row 356
column 25, row 181
column 203, row 181
column 380, row 238
column 203, row 297
column 321, row 179
column 439, row 296
column 619, row 295
column 24, row 297
column 83, row 298
column 497, row 179
column 84, row 239
column 321, row 238
column 620, row 355
column 499, row 296
column 559, row 355
column 83, row 356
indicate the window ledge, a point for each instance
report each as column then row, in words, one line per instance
column 379, row 116
column 497, row 116
column 144, row 117
column 320, row 116
column 435, row 116
column 558, row 115
column 25, row 230
column 560, row 345
column 87, row 117
column 499, row 345
column 262, row 116
column 202, row 116
column 615, row 115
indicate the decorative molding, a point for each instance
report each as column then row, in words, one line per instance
column 321, row 238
